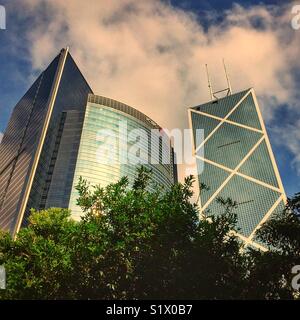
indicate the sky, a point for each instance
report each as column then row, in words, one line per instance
column 151, row 55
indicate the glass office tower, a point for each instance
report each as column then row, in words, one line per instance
column 235, row 160
column 51, row 140
column 115, row 140
column 49, row 115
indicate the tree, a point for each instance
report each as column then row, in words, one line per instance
column 133, row 243
column 38, row 263
column 270, row 273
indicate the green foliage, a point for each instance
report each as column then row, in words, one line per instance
column 270, row 272
column 135, row 244
column 38, row 262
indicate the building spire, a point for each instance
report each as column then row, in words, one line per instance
column 227, row 77
column 209, row 84
column 214, row 94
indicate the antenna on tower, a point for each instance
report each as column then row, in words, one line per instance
column 214, row 94
column 209, row 83
column 227, row 77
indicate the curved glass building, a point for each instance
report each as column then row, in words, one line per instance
column 115, row 140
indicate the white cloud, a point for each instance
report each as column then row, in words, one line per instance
column 151, row 55
column 290, row 139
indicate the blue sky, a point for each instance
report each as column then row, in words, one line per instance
column 24, row 51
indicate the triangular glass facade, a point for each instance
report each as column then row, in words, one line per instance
column 221, row 107
column 205, row 123
column 253, row 202
column 238, row 162
column 230, row 144
column 246, row 114
column 212, row 177
column 260, row 169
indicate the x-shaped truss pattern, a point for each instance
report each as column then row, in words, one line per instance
column 237, row 161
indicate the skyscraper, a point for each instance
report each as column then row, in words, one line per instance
column 235, row 160
column 39, row 153
column 115, row 139
column 28, row 151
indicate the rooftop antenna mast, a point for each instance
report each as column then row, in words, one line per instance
column 209, row 84
column 227, row 78
column 214, row 94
